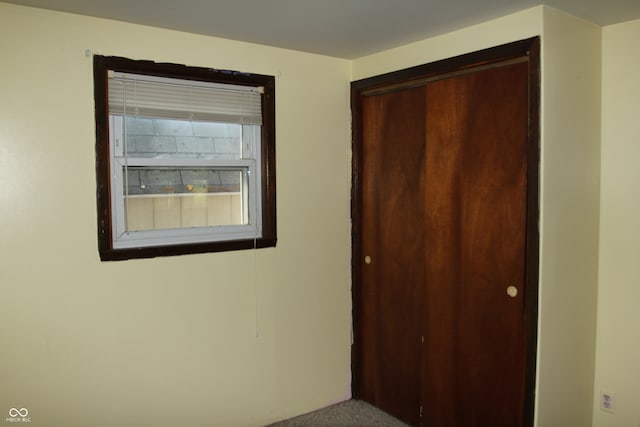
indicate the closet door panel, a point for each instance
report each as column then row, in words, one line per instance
column 475, row 217
column 389, row 318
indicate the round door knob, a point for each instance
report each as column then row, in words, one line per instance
column 512, row 291
column 367, row 259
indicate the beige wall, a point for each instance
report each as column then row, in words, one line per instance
column 228, row 339
column 569, row 220
column 569, row 193
column 510, row 28
column 618, row 336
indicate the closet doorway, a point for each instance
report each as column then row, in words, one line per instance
column 445, row 239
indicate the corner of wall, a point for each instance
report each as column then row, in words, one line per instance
column 618, row 348
column 570, row 200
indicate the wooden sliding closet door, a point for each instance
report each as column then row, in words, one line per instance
column 445, row 240
column 393, row 233
column 473, row 368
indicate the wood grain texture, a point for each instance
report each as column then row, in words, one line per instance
column 393, row 233
column 478, row 361
column 473, row 361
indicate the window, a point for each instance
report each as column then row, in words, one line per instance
column 185, row 159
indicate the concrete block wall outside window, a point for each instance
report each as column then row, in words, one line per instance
column 164, row 198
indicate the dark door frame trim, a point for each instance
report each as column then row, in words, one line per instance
column 415, row 76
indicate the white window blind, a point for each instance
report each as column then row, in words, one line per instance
column 150, row 96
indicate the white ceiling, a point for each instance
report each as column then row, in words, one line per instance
column 340, row 28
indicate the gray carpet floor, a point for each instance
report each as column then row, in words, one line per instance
column 352, row 413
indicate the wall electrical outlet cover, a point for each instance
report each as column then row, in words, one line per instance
column 607, row 401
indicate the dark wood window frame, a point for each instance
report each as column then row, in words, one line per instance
column 101, row 67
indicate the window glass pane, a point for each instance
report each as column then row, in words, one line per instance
column 157, row 198
column 182, row 139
